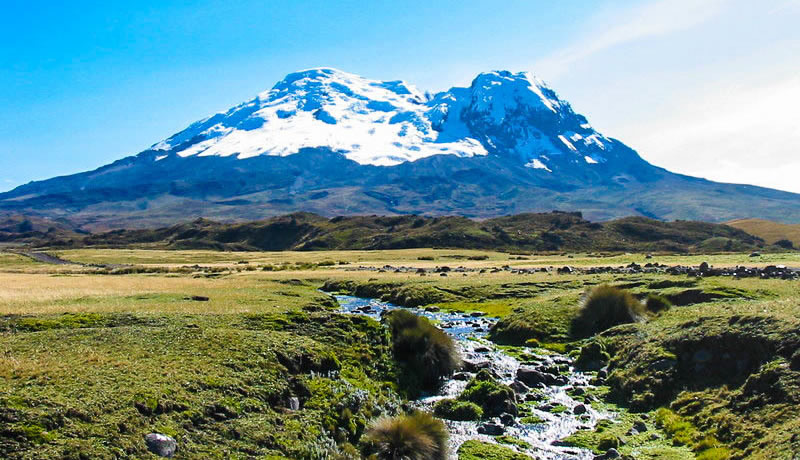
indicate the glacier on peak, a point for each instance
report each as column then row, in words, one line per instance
column 385, row 123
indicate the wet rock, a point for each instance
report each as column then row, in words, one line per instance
column 462, row 376
column 294, row 403
column 602, row 373
column 552, row 370
column 519, row 387
column 483, row 350
column 491, row 429
column 476, row 365
column 507, row 419
column 533, row 377
column 534, row 397
column 611, row 453
column 432, row 309
column 477, row 314
column 161, row 444
column 579, row 409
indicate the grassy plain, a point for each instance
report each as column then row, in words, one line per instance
column 91, row 361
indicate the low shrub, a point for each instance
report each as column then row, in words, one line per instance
column 417, row 436
column 605, row 307
column 426, row 353
column 452, row 409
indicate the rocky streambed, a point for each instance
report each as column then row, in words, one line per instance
column 544, row 411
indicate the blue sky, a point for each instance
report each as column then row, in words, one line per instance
column 709, row 88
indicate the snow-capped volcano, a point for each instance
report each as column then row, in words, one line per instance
column 385, row 123
column 334, row 143
column 371, row 122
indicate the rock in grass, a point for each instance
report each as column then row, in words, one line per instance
column 199, row 298
column 161, row 444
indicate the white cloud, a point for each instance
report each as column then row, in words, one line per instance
column 649, row 20
column 709, row 89
column 742, row 134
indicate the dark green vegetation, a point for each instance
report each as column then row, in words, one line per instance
column 722, row 359
column 452, row 409
column 493, row 397
column 425, row 353
column 478, row 450
column 417, row 436
column 730, row 377
column 92, row 385
column 556, row 231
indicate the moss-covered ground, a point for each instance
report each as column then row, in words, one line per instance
column 91, row 361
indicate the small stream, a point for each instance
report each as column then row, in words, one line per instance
column 470, row 332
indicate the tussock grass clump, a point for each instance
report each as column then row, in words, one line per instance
column 656, row 303
column 426, row 353
column 605, row 307
column 417, row 436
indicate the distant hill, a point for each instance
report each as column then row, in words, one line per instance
column 19, row 228
column 555, row 231
column 769, row 231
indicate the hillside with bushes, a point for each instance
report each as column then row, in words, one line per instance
column 554, row 231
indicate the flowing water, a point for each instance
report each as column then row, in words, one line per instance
column 470, row 334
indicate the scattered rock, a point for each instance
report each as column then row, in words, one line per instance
column 161, row 444
column 640, row 426
column 491, row 429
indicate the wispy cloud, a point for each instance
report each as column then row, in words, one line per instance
column 737, row 133
column 614, row 28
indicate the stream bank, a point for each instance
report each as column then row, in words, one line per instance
column 543, row 384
